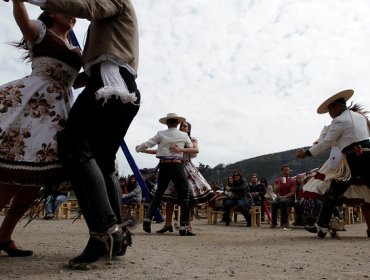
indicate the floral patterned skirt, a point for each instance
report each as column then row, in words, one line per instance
column 32, row 110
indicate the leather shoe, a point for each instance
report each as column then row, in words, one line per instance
column 165, row 229
column 13, row 250
column 186, row 231
column 147, row 226
column 93, row 251
column 49, row 216
column 126, row 241
column 312, row 229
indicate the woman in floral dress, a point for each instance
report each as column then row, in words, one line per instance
column 32, row 111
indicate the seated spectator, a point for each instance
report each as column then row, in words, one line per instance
column 53, row 202
column 122, row 184
column 311, row 210
column 257, row 191
column 312, row 200
column 150, row 177
column 269, row 189
column 299, row 204
column 219, row 196
column 216, row 187
column 229, row 183
column 133, row 192
column 285, row 189
column 268, row 197
column 237, row 195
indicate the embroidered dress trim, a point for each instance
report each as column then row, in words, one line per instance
column 35, row 174
column 54, row 70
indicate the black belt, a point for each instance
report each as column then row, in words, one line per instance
column 364, row 145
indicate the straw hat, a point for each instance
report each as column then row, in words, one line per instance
column 346, row 94
column 172, row 116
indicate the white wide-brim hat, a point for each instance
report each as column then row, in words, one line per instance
column 172, row 116
column 345, row 94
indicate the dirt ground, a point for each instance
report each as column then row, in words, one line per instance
column 216, row 252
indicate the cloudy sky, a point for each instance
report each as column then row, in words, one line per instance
column 248, row 74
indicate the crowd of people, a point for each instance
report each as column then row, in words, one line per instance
column 286, row 193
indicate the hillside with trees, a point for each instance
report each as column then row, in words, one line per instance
column 267, row 166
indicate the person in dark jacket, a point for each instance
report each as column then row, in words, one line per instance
column 257, row 193
column 239, row 194
column 133, row 193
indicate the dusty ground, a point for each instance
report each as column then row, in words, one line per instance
column 217, row 252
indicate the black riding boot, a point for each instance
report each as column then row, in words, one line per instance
column 109, row 243
column 114, row 195
column 184, row 217
column 326, row 211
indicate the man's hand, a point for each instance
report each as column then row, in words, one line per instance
column 175, row 149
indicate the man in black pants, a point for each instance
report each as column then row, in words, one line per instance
column 100, row 118
column 350, row 132
column 171, row 168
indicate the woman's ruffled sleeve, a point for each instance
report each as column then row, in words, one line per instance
column 41, row 31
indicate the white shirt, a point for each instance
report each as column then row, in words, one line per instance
column 349, row 127
column 165, row 139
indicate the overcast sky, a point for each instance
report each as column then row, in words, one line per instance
column 248, row 75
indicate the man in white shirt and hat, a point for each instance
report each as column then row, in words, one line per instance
column 350, row 132
column 171, row 168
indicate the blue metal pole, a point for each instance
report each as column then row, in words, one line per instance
column 137, row 173
column 73, row 38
